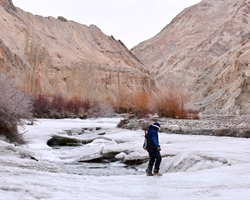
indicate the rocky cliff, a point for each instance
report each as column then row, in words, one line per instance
column 58, row 56
column 206, row 50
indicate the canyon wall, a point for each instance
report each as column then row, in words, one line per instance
column 205, row 49
column 57, row 56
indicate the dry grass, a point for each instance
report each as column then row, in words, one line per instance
column 57, row 104
column 170, row 102
column 141, row 106
column 122, row 103
column 167, row 102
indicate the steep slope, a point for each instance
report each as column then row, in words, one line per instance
column 188, row 52
column 226, row 89
column 57, row 56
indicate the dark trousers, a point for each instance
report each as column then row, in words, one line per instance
column 154, row 160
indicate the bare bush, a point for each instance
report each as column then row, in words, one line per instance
column 14, row 107
column 141, row 104
column 122, row 104
column 59, row 106
column 76, row 105
column 41, row 104
column 170, row 102
column 58, row 103
column 167, row 102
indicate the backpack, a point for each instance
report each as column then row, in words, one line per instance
column 145, row 143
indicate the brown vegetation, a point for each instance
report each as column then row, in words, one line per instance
column 167, row 102
column 57, row 106
column 15, row 106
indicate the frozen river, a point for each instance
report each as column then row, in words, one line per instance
column 193, row 167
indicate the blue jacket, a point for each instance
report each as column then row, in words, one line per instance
column 152, row 139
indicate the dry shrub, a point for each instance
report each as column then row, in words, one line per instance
column 141, row 104
column 140, row 101
column 122, row 103
column 167, row 103
column 170, row 102
column 98, row 109
column 58, row 103
column 15, row 106
column 75, row 105
column 137, row 104
column 41, row 104
column 48, row 106
column 89, row 107
column 10, row 131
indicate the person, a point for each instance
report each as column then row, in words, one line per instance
column 153, row 149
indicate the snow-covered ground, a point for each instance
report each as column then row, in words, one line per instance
column 193, row 167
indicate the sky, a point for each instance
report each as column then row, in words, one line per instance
column 131, row 21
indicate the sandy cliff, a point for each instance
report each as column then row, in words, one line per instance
column 57, row 56
column 205, row 50
column 200, row 50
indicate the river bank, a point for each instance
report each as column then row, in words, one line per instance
column 213, row 125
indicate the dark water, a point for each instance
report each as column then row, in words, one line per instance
column 100, row 169
column 107, row 167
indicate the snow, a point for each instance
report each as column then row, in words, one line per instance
column 193, row 167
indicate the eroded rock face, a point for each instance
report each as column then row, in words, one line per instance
column 58, row 56
column 204, row 49
column 226, row 89
column 8, row 4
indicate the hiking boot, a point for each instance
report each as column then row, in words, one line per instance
column 150, row 174
column 157, row 174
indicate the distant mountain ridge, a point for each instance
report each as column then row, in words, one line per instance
column 205, row 49
column 58, row 56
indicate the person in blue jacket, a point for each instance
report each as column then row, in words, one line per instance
column 153, row 148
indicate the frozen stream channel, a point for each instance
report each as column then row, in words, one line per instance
column 193, row 167
column 86, row 159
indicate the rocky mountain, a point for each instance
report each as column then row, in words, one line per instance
column 206, row 50
column 57, row 56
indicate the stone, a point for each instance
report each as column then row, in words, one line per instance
column 63, row 19
column 57, row 140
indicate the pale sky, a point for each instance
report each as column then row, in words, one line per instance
column 131, row 21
